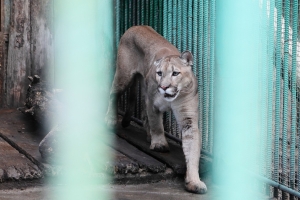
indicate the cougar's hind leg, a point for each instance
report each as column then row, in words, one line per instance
column 120, row 84
column 131, row 102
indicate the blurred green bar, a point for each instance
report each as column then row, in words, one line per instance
column 237, row 95
column 84, row 46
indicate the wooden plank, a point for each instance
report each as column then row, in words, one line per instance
column 15, row 166
column 144, row 160
column 175, row 158
column 19, row 60
column 22, row 130
column 42, row 54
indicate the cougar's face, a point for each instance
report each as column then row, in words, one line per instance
column 172, row 76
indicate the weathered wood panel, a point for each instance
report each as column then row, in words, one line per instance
column 30, row 47
column 42, row 39
column 19, row 58
column 4, row 25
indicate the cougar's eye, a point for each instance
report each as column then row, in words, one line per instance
column 175, row 73
column 159, row 73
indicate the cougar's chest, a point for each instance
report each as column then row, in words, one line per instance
column 161, row 104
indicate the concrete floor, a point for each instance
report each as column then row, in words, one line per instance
column 169, row 189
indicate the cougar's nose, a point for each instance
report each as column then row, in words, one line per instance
column 164, row 87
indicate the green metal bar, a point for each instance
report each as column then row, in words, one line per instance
column 205, row 74
column 285, row 90
column 184, row 25
column 161, row 3
column 264, row 87
column 179, row 26
column 138, row 12
column 195, row 36
column 117, row 10
column 142, row 11
column 151, row 13
column 278, row 90
column 122, row 18
column 126, row 25
column 174, row 23
column 211, row 74
column 83, row 19
column 156, row 15
column 190, row 25
column 270, row 89
column 147, row 9
column 236, row 123
column 133, row 11
column 169, row 37
column 294, row 97
column 165, row 19
column 200, row 61
column 130, row 20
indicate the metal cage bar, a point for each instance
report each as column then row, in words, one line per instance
column 205, row 74
column 278, row 90
column 293, row 92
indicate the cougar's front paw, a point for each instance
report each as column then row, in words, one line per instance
column 160, row 147
column 196, row 187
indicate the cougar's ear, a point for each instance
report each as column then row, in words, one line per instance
column 187, row 57
column 157, row 62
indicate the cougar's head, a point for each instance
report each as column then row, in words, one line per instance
column 174, row 74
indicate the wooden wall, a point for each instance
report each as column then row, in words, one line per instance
column 29, row 47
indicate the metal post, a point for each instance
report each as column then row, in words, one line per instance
column 84, row 45
column 237, row 98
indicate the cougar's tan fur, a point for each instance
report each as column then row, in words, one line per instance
column 168, row 84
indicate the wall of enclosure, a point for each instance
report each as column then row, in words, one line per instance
column 188, row 25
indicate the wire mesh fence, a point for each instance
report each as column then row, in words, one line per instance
column 188, row 25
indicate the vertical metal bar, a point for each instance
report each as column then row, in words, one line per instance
column 211, row 73
column 156, row 15
column 138, row 12
column 270, row 89
column 126, row 14
column 200, row 62
column 142, row 2
column 278, row 90
column 195, row 36
column 190, row 25
column 134, row 10
column 151, row 13
column 205, row 73
column 130, row 19
column 160, row 3
column 169, row 37
column 285, row 90
column 184, row 25
column 174, row 25
column 165, row 19
column 122, row 13
column 179, row 25
column 294, row 98
column 147, row 12
column 235, row 89
column 117, row 22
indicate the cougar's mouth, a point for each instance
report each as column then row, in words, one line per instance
column 170, row 95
